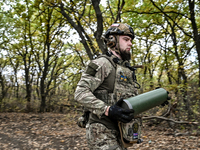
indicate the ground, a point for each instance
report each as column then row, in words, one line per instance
column 53, row 131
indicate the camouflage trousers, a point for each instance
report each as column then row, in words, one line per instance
column 101, row 138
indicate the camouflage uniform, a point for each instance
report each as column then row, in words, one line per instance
column 105, row 81
column 99, row 137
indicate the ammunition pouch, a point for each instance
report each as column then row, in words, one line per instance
column 82, row 121
column 130, row 132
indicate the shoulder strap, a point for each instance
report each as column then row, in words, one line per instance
column 110, row 58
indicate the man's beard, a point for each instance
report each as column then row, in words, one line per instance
column 125, row 55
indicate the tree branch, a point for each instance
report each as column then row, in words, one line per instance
column 166, row 15
column 170, row 120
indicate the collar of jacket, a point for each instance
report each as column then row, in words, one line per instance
column 117, row 60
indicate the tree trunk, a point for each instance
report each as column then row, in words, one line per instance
column 43, row 97
column 43, row 104
column 195, row 31
column 184, row 93
column 28, row 91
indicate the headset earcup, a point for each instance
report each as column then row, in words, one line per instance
column 111, row 41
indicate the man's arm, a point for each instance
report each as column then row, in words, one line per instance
column 91, row 79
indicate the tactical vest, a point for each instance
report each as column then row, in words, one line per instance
column 118, row 84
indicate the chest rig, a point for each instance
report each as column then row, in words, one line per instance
column 121, row 82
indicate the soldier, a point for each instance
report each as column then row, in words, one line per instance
column 103, row 86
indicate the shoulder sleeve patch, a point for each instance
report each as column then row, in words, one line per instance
column 92, row 69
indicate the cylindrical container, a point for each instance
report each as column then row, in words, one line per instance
column 145, row 101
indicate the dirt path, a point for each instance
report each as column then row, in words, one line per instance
column 21, row 131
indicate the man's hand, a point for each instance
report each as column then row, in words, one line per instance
column 118, row 113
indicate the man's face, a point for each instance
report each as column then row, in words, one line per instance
column 125, row 43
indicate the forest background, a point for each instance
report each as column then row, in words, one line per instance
column 45, row 46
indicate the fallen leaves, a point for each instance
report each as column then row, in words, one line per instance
column 161, row 137
column 60, row 131
column 40, row 131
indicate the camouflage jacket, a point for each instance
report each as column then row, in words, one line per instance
column 105, row 81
